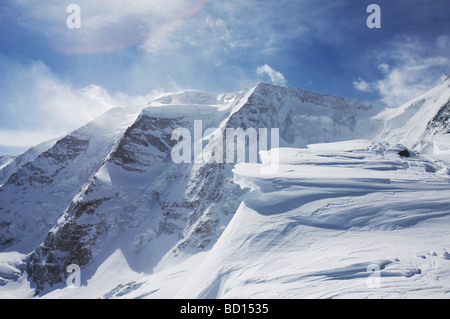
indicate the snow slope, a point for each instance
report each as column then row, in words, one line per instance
column 313, row 229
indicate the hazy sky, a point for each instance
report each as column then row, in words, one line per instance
column 54, row 79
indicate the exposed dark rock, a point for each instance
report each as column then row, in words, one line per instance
column 145, row 142
column 66, row 149
column 441, row 122
column 59, row 156
column 122, row 290
column 404, row 153
column 71, row 243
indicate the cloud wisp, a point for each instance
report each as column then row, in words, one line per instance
column 407, row 71
column 38, row 105
column 276, row 77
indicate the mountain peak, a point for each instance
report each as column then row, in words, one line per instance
column 261, row 85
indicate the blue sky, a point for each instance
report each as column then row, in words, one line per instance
column 54, row 79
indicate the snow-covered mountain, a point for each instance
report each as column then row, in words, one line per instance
column 418, row 123
column 109, row 198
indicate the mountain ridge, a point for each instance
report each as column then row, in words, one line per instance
column 128, row 187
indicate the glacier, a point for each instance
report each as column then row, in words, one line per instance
column 108, row 198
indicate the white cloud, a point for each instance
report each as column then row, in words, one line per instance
column 105, row 25
column 37, row 105
column 36, row 91
column 275, row 77
column 443, row 41
column 384, row 68
column 213, row 36
column 23, row 139
column 412, row 70
column 230, row 29
column 362, row 85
